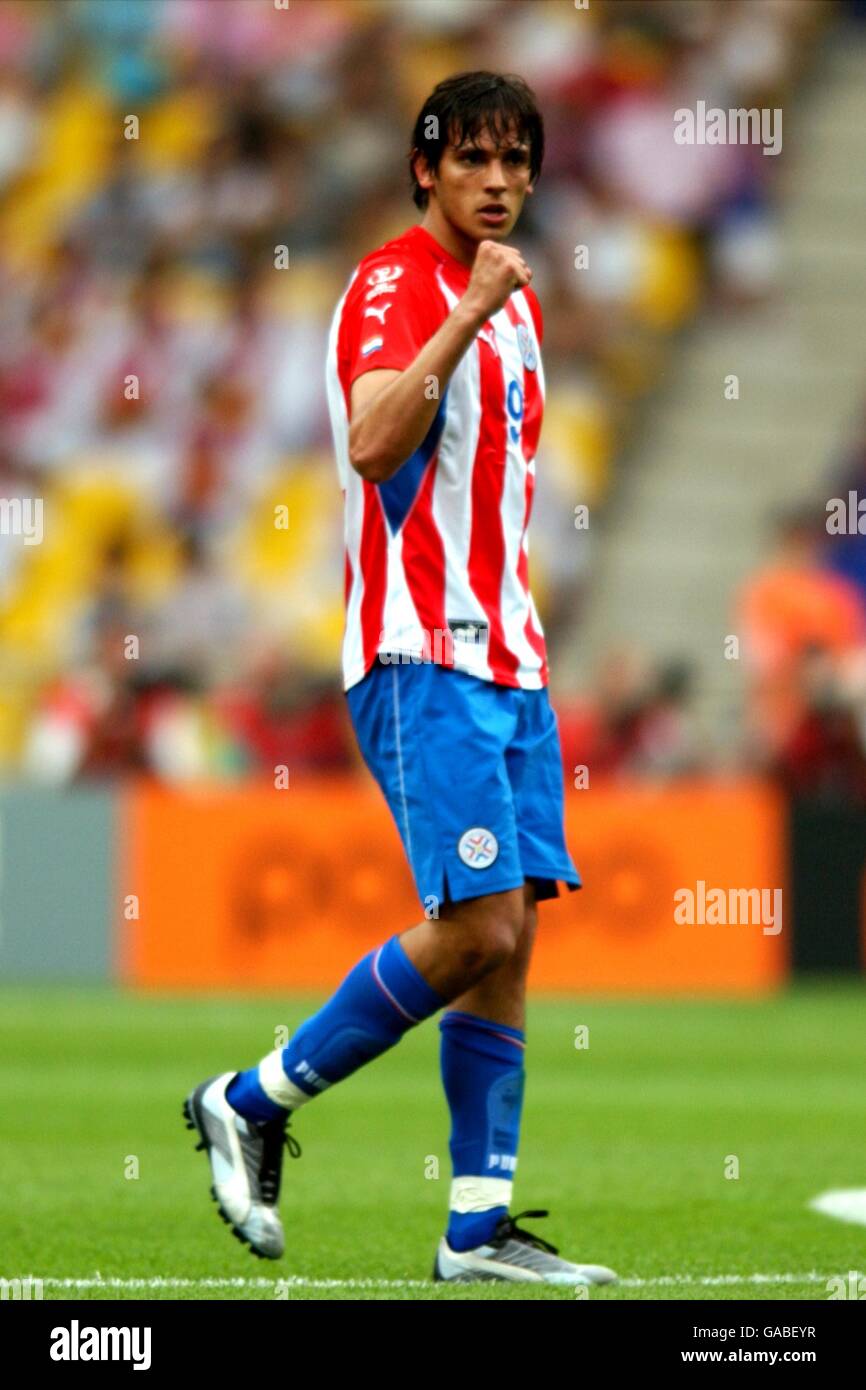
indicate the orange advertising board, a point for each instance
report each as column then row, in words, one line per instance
column 254, row 888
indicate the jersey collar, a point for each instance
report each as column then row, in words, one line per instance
column 437, row 250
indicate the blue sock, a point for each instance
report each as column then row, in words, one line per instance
column 482, row 1072
column 382, row 997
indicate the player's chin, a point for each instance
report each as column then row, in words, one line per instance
column 486, row 230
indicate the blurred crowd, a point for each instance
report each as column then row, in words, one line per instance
column 800, row 621
column 803, row 617
column 185, row 186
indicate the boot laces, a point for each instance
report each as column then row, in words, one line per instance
column 275, row 1135
column 508, row 1229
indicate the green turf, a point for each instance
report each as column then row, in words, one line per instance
column 626, row 1143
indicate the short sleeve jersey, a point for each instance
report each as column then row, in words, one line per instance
column 437, row 557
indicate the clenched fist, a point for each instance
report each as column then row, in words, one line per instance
column 497, row 272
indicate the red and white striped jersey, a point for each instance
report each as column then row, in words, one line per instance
column 436, row 558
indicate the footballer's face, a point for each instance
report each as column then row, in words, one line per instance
column 478, row 191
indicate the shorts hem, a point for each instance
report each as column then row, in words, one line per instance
column 545, row 883
column 465, row 894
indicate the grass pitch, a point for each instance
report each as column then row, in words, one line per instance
column 627, row 1142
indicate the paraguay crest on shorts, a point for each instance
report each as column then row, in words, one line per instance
column 478, row 847
column 527, row 350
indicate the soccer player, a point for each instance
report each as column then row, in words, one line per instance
column 435, row 390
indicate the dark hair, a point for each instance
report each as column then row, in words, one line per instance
column 468, row 103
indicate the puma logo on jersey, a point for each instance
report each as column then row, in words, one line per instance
column 379, row 313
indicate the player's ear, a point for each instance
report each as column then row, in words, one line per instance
column 423, row 172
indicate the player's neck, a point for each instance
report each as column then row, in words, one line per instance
column 462, row 248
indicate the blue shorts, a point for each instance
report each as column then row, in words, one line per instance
column 472, row 772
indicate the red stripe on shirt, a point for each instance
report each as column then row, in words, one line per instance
column 535, row 310
column 487, row 542
column 424, row 567
column 533, row 406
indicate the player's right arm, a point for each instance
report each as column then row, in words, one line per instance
column 392, row 409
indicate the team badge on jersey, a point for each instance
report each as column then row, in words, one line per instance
column 383, row 274
column 478, row 847
column 527, row 351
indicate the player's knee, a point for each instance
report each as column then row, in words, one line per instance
column 493, row 936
